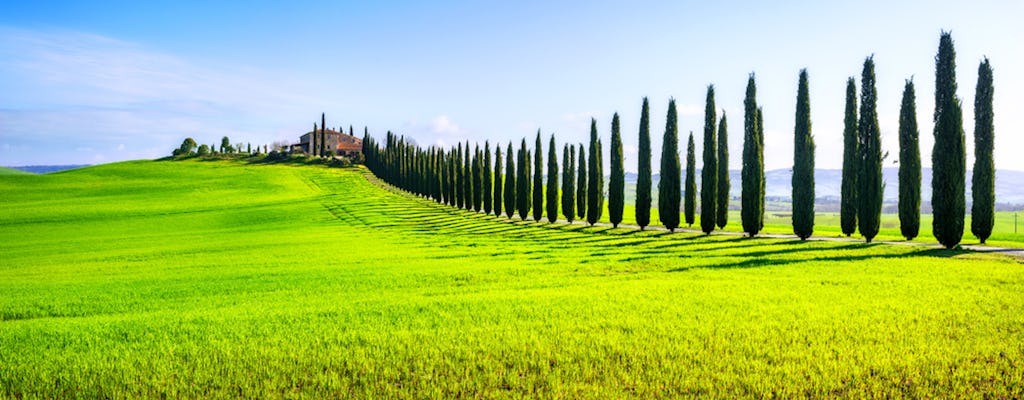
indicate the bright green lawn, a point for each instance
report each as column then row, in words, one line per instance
column 218, row 279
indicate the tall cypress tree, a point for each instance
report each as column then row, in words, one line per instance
column 569, row 182
column 669, row 184
column 467, row 171
column 983, row 181
column 910, row 165
column 593, row 177
column 803, row 163
column 869, row 193
column 478, row 179
column 709, row 172
column 460, row 180
column 617, row 181
column 760, row 157
column 523, row 192
column 948, row 159
column 752, row 213
column 510, row 183
column 538, row 180
column 485, row 189
column 643, row 177
column 552, row 188
column 851, row 166
column 498, row 195
column 581, row 184
column 723, row 174
column 690, row 190
column 323, row 134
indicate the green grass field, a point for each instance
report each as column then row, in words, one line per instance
column 222, row 279
column 12, row 171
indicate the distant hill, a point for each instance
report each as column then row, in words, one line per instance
column 45, row 169
column 11, row 171
column 827, row 183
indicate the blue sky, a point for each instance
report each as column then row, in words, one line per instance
column 82, row 82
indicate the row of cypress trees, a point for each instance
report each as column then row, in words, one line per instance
column 462, row 178
column 862, row 185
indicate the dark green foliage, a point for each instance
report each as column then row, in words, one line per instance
column 869, row 179
column 523, row 193
column 910, row 165
column 498, row 195
column 752, row 213
column 188, row 146
column 581, row 184
column 510, row 182
column 709, row 172
column 203, row 150
column 983, row 181
column 851, row 166
column 690, row 189
column 477, row 171
column 569, row 182
column 803, row 163
column 225, row 143
column 460, row 180
column 723, row 174
column 323, row 135
column 948, row 159
column 552, row 188
column 643, row 178
column 594, row 177
column 617, row 181
column 485, row 184
column 538, row 180
column 669, row 189
column 467, row 178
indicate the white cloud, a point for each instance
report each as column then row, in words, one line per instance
column 443, row 125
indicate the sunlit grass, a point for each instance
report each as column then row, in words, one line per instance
column 217, row 279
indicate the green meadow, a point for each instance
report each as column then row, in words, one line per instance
column 197, row 279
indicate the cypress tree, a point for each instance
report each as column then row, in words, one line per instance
column 752, row 213
column 581, row 184
column 709, row 172
column 538, row 180
column 323, row 134
column 669, row 184
column 477, row 179
column 617, row 181
column 690, row 190
column 643, row 178
column 485, row 189
column 467, row 173
column 568, row 182
column 593, row 177
column 948, row 160
column 869, row 193
column 523, row 192
column 510, row 183
column 723, row 174
column 498, row 196
column 910, row 165
column 803, row 163
column 552, row 189
column 983, row 180
column 460, row 180
column 848, row 195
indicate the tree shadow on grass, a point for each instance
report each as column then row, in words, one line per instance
column 760, row 261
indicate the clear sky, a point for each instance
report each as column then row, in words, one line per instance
column 94, row 82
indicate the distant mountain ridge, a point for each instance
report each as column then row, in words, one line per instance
column 827, row 184
column 45, row 169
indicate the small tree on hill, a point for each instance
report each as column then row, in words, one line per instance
column 983, row 180
column 669, row 184
column 910, row 165
column 709, row 173
column 803, row 163
column 643, row 178
column 690, row 190
column 569, row 182
column 538, row 180
column 617, row 181
column 552, row 188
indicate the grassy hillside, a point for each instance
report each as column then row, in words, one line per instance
column 11, row 171
column 218, row 279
